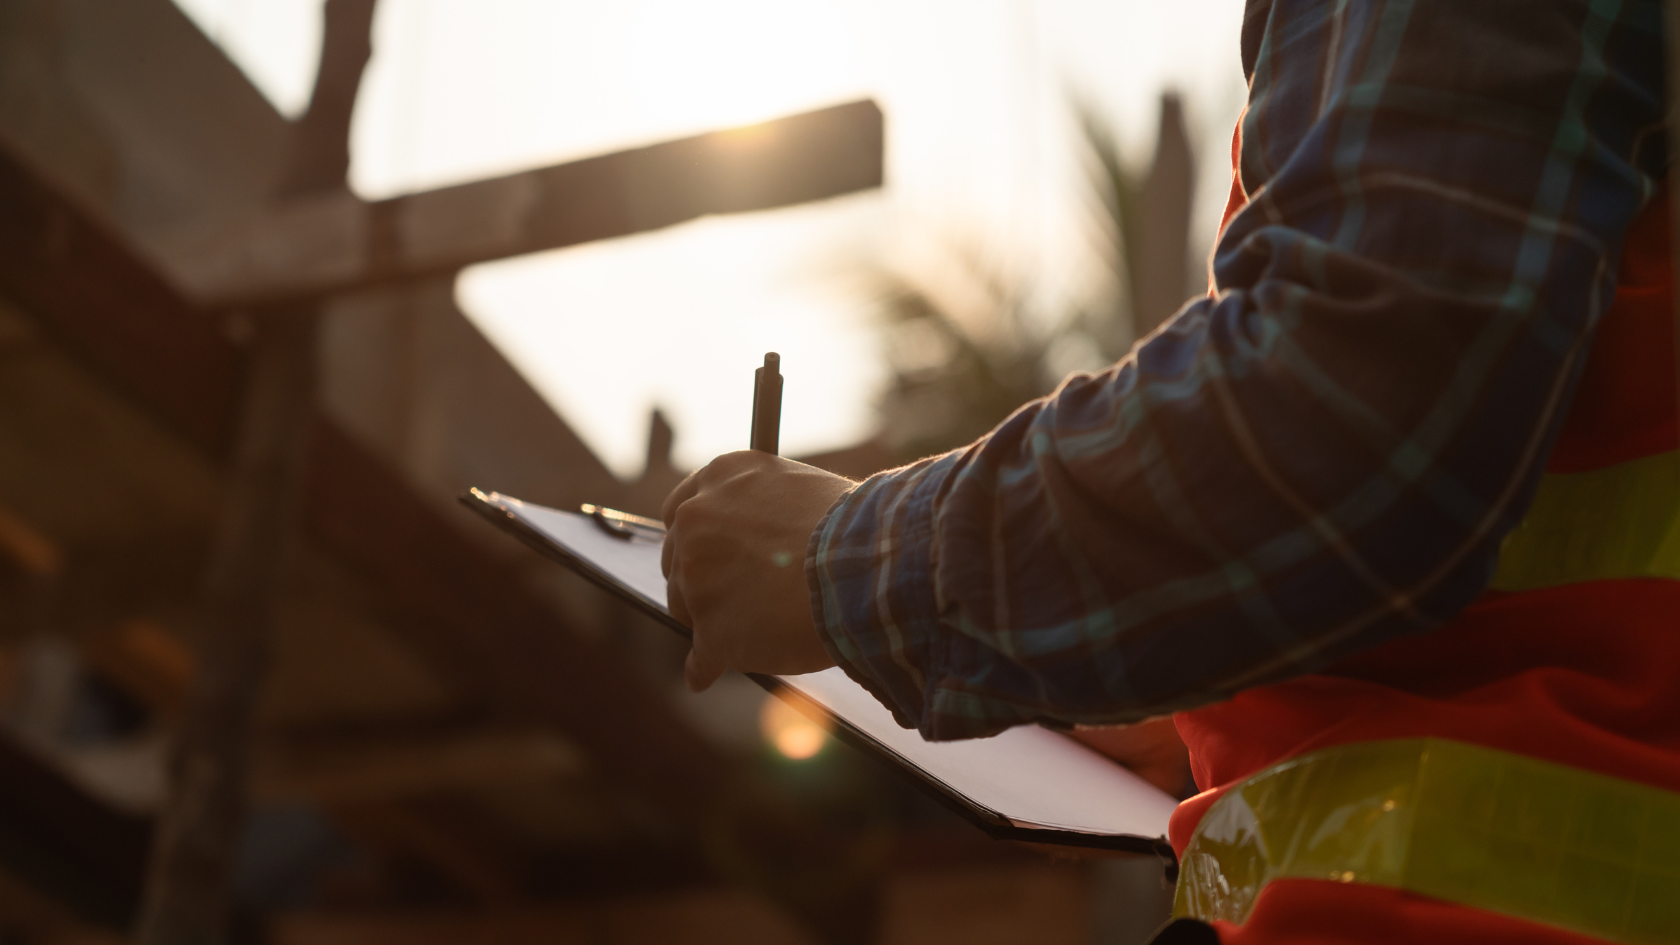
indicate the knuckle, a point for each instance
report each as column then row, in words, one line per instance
column 731, row 464
column 680, row 523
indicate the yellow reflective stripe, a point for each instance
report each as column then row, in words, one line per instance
column 1461, row 823
column 1619, row 522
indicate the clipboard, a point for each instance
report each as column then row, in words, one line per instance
column 1027, row 783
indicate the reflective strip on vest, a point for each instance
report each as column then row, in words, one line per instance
column 1457, row 822
column 1618, row 522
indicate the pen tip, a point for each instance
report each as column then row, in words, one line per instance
column 772, row 360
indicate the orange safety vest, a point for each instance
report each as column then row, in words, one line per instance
column 1513, row 776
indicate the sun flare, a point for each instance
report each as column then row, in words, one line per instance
column 789, row 731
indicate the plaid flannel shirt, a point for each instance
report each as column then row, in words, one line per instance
column 1325, row 452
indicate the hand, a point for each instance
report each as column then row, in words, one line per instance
column 1151, row 750
column 735, row 562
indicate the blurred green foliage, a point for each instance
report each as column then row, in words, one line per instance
column 956, row 376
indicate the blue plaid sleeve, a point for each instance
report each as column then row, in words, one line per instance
column 1325, row 452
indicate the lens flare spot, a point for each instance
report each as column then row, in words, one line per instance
column 789, row 731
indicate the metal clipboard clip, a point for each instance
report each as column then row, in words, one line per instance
column 623, row 525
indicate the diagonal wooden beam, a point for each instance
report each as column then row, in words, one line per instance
column 471, row 615
column 332, row 241
column 474, row 618
column 90, row 294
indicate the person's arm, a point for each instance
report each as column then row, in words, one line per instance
column 1321, row 456
column 1327, row 452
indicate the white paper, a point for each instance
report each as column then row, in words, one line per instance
column 1033, row 776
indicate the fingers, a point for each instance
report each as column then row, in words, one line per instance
column 675, row 601
column 699, row 671
column 668, row 552
column 684, row 491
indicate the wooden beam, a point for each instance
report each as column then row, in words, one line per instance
column 192, row 863
column 469, row 614
column 358, row 771
column 472, row 615
column 143, row 658
column 90, row 293
column 27, row 549
column 31, row 577
column 190, row 879
column 332, row 242
column 319, row 158
column 109, row 582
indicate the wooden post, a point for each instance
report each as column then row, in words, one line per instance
column 320, row 145
column 186, row 895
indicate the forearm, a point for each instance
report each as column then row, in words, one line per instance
column 1324, row 455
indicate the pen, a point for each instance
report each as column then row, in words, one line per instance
column 767, row 404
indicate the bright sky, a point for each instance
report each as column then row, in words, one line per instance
column 980, row 151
